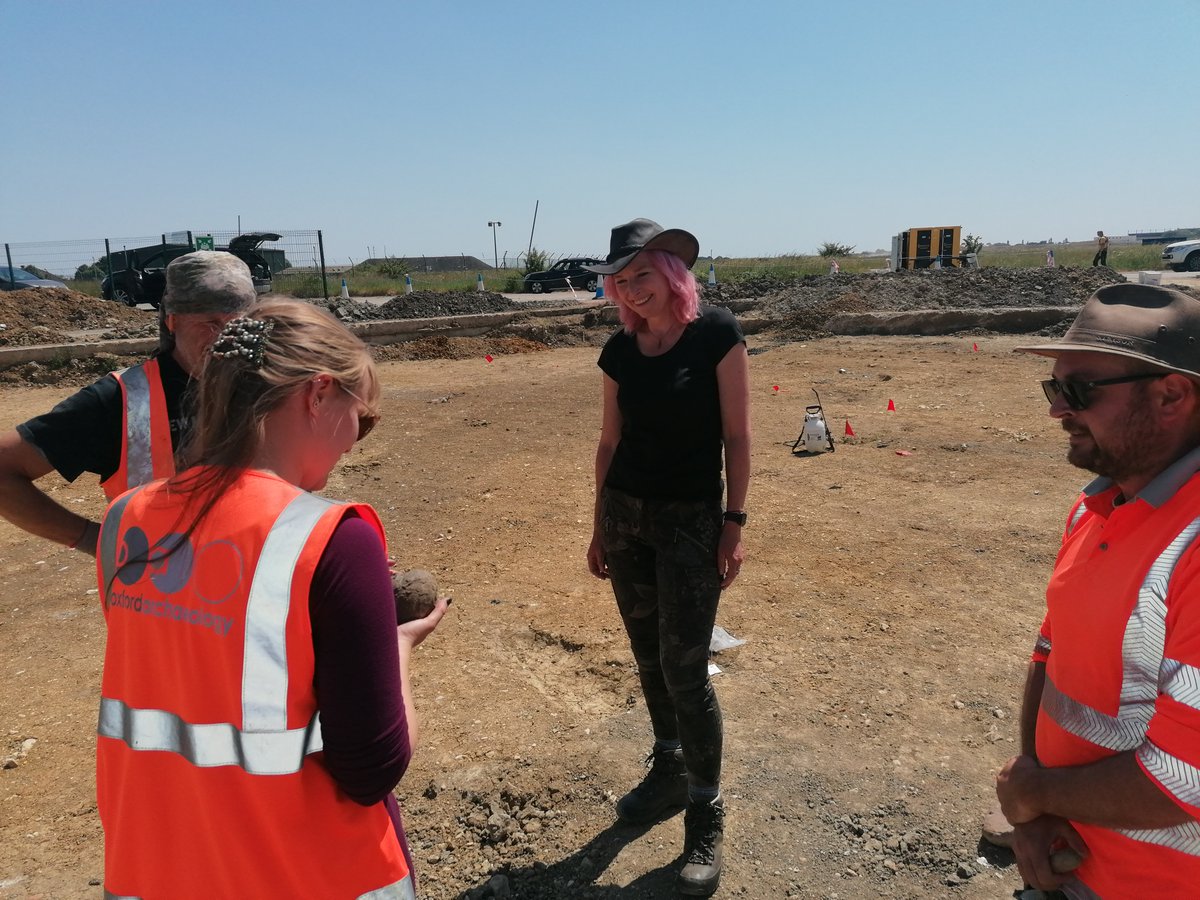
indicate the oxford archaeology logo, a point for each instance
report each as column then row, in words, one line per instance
column 179, row 573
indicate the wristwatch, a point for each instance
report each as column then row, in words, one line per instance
column 735, row 515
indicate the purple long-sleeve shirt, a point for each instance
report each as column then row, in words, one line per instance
column 357, row 681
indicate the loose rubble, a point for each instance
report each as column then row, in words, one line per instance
column 791, row 308
column 800, row 307
column 429, row 305
column 18, row 750
column 51, row 315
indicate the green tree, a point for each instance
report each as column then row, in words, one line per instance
column 972, row 243
column 392, row 267
column 832, row 248
column 92, row 271
column 535, row 261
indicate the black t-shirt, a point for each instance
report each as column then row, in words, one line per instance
column 84, row 432
column 670, row 447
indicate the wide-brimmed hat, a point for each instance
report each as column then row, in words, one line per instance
column 632, row 238
column 1153, row 324
column 208, row 281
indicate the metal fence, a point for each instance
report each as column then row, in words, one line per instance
column 296, row 252
column 509, row 260
column 298, row 255
column 455, row 262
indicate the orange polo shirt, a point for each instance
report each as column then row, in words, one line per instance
column 1121, row 643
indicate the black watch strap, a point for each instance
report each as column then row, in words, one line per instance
column 736, row 516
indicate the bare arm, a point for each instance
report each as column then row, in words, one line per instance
column 610, row 436
column 733, row 385
column 1035, row 681
column 25, row 505
column 408, row 636
column 1112, row 792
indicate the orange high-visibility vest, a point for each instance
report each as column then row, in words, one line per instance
column 210, row 780
column 1123, row 672
column 146, row 451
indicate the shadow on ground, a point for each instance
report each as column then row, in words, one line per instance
column 575, row 876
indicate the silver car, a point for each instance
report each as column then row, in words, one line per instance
column 14, row 279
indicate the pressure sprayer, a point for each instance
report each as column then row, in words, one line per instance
column 814, row 436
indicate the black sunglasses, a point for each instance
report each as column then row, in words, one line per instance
column 1076, row 392
column 366, row 420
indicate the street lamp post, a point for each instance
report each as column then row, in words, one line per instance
column 495, row 252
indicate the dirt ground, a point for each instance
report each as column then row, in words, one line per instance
column 888, row 607
column 889, row 603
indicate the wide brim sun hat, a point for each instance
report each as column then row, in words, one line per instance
column 634, row 237
column 1155, row 325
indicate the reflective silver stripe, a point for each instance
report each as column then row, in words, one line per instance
column 1180, row 682
column 109, row 895
column 1185, row 838
column 216, row 744
column 1180, row 778
column 265, row 667
column 401, row 890
column 110, row 528
column 139, row 465
column 1142, row 663
column 1076, row 516
column 1041, row 645
column 1125, row 731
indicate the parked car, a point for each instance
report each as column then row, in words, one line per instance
column 1182, row 256
column 15, row 279
column 556, row 277
column 139, row 275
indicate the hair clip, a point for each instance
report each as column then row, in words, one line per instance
column 243, row 338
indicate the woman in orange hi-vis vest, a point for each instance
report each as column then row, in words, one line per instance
column 256, row 711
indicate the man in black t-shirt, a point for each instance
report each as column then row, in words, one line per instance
column 88, row 431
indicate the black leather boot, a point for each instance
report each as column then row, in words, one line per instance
column 703, row 829
column 664, row 789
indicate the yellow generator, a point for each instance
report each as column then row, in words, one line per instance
column 923, row 248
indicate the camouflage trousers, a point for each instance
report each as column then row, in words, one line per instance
column 662, row 562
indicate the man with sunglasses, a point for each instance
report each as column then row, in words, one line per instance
column 127, row 426
column 1110, row 724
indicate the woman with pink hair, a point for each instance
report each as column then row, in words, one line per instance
column 676, row 414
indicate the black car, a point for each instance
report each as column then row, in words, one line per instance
column 139, row 275
column 564, row 275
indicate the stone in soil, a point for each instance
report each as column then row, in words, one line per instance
column 997, row 829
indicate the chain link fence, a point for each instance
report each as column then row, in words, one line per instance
column 296, row 258
column 294, row 255
column 509, row 260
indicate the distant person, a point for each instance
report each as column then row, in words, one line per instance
column 256, row 710
column 125, row 427
column 1101, row 257
column 834, row 268
column 1110, row 721
column 676, row 400
column 1049, row 259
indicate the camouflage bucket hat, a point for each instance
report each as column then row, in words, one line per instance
column 208, row 281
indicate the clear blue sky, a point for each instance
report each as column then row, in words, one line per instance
column 763, row 127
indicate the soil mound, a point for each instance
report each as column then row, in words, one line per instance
column 429, row 305
column 50, row 315
column 76, row 372
column 800, row 307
